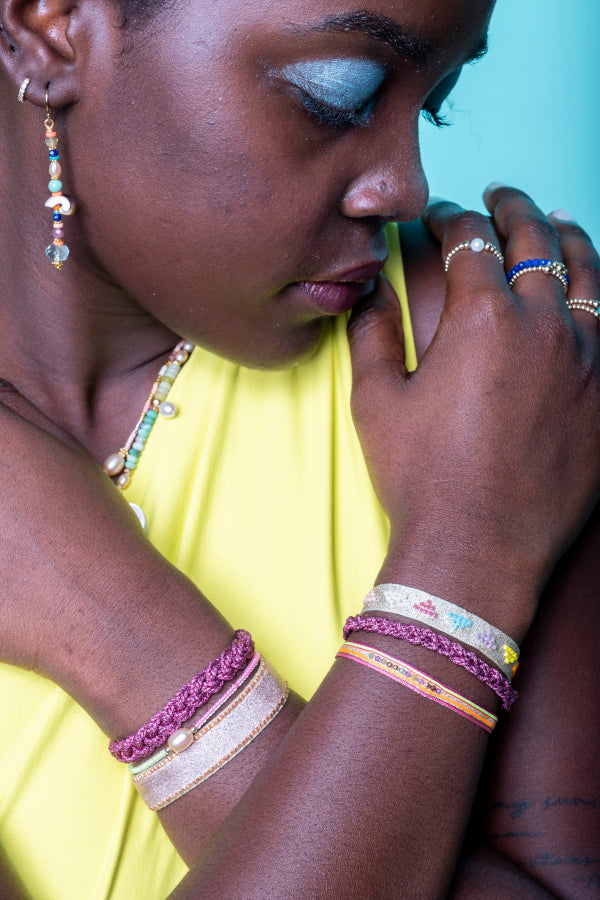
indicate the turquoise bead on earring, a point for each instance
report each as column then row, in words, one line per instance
column 57, row 252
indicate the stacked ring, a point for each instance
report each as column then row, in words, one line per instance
column 477, row 245
column 546, row 266
column 590, row 306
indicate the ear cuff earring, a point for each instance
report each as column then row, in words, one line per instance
column 24, row 85
column 57, row 252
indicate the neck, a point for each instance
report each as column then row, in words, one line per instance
column 74, row 344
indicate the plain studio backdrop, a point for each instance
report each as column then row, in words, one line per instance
column 526, row 114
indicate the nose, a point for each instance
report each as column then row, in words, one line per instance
column 391, row 185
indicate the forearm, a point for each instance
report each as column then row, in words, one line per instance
column 367, row 796
column 483, row 873
column 541, row 807
column 367, row 758
column 137, row 632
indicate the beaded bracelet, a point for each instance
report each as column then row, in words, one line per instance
column 217, row 743
column 418, row 681
column 186, row 701
column 424, row 637
column 447, row 618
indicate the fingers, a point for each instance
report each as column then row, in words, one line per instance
column 528, row 237
column 376, row 338
column 470, row 250
column 583, row 264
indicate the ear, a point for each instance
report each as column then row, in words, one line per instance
column 34, row 43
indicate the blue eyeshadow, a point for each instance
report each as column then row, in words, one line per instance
column 345, row 83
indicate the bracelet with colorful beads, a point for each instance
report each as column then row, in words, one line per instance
column 424, row 637
column 418, row 681
column 447, row 618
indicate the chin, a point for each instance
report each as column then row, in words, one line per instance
column 278, row 351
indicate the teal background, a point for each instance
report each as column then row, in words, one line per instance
column 526, row 114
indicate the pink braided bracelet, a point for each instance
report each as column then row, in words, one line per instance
column 424, row 637
column 186, row 701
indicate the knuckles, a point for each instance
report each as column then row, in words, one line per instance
column 363, row 319
column 468, row 223
column 573, row 230
column 529, row 226
column 587, row 271
column 488, row 312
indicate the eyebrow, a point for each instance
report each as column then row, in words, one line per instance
column 402, row 40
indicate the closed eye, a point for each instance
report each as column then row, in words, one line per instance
column 338, row 118
column 338, row 92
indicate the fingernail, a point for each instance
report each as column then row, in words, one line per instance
column 435, row 199
column 562, row 215
column 494, row 185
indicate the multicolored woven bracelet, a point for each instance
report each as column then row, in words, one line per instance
column 186, row 701
column 447, row 618
column 424, row 637
column 418, row 681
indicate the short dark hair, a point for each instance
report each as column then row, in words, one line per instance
column 137, row 12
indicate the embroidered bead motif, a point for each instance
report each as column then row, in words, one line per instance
column 427, row 607
column 487, row 638
column 460, row 621
column 447, row 618
column 509, row 654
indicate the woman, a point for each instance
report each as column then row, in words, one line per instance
column 234, row 170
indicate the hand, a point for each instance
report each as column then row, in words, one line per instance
column 487, row 458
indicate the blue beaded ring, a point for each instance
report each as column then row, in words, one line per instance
column 546, row 266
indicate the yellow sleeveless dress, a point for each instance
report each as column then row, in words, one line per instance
column 258, row 491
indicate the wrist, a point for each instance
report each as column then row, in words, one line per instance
column 487, row 583
column 126, row 649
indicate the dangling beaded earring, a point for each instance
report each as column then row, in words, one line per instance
column 57, row 252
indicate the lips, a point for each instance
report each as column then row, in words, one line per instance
column 340, row 291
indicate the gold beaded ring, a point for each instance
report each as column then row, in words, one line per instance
column 477, row 245
column 546, row 266
column 590, row 306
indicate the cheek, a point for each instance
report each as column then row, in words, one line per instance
column 204, row 194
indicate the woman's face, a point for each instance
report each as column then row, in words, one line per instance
column 237, row 161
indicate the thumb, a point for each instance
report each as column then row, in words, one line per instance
column 376, row 339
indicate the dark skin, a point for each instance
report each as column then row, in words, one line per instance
column 535, row 829
column 119, row 266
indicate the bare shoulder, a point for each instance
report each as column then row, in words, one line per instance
column 425, row 282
